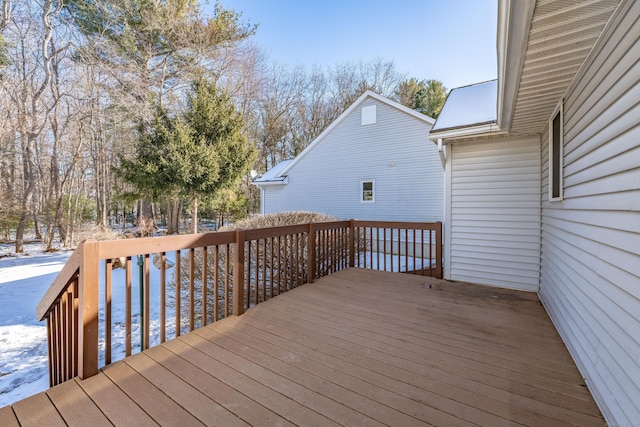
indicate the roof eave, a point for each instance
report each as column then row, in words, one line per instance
column 514, row 23
column 283, row 181
column 462, row 132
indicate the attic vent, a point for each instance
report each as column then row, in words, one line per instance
column 368, row 115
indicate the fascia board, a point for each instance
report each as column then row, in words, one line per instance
column 269, row 183
column 514, row 24
column 464, row 132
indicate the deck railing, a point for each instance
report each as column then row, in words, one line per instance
column 185, row 282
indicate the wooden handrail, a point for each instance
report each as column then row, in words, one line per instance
column 399, row 225
column 131, row 247
column 235, row 270
column 60, row 283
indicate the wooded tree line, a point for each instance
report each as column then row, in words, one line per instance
column 110, row 107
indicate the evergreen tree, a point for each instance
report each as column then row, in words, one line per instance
column 195, row 154
column 150, row 171
column 425, row 96
column 432, row 98
column 151, row 49
column 211, row 151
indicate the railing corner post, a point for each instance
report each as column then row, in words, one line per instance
column 88, row 309
column 238, row 274
column 311, row 253
column 352, row 243
column 439, row 250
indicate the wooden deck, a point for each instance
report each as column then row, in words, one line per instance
column 357, row 348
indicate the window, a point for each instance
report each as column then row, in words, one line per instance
column 368, row 115
column 556, row 132
column 367, row 195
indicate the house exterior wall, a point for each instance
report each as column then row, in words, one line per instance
column 590, row 264
column 394, row 152
column 493, row 196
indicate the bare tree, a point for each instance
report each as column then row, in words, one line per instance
column 31, row 72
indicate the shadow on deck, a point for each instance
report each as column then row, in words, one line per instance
column 358, row 347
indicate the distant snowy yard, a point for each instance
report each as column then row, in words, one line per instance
column 23, row 340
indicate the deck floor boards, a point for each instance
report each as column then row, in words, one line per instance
column 357, row 348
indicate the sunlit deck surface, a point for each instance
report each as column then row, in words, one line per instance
column 357, row 348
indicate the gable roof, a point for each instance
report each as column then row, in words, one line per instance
column 365, row 96
column 470, row 108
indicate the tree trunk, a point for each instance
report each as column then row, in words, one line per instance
column 194, row 215
column 146, row 219
column 62, row 231
column 22, row 223
column 36, row 227
column 174, row 206
column 29, row 186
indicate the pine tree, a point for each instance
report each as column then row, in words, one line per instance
column 195, row 154
column 150, row 171
column 211, row 150
column 425, row 96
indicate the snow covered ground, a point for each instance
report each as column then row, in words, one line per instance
column 23, row 339
column 24, row 280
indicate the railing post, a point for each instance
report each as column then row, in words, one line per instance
column 311, row 253
column 352, row 243
column 238, row 274
column 439, row 250
column 88, row 310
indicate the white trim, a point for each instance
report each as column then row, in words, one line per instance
column 269, row 183
column 443, row 154
column 558, row 110
column 283, row 181
column 446, row 234
column 262, row 201
column 465, row 131
column 373, row 191
column 514, row 24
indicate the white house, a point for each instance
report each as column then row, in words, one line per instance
column 542, row 181
column 374, row 162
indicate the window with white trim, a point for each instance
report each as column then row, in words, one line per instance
column 556, row 133
column 367, row 194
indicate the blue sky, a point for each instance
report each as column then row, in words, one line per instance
column 449, row 40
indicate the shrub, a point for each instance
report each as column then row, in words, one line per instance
column 278, row 220
column 275, row 266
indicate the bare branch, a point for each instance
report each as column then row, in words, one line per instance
column 5, row 15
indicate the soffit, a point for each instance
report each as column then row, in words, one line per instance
column 561, row 36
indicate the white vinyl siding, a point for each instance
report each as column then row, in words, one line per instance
column 590, row 272
column 495, row 213
column 395, row 152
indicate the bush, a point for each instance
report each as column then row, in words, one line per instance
column 278, row 220
column 265, row 278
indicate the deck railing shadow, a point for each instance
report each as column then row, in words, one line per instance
column 114, row 298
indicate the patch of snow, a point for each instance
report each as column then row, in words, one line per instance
column 23, row 362
column 24, row 279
